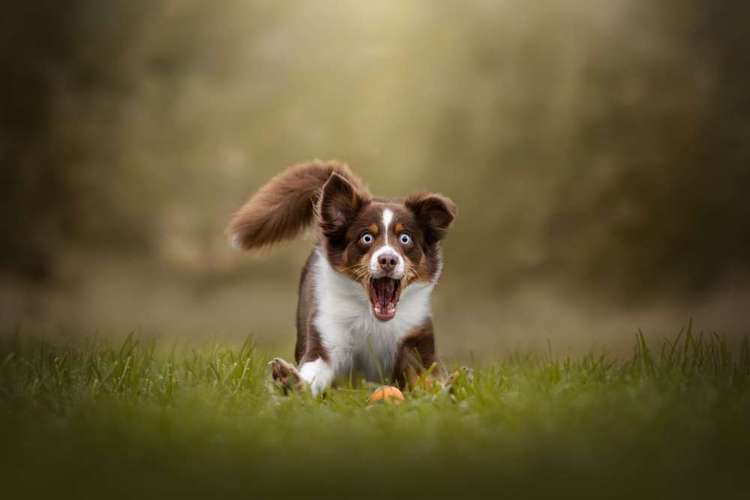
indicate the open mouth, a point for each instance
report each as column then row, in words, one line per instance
column 384, row 295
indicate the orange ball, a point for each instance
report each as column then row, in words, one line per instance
column 388, row 394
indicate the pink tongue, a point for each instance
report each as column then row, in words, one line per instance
column 385, row 308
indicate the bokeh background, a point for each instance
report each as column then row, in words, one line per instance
column 599, row 154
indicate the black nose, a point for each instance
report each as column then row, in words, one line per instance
column 388, row 262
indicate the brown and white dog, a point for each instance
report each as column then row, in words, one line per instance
column 365, row 291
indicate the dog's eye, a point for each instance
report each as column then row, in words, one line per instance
column 405, row 239
column 367, row 239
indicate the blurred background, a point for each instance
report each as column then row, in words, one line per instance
column 599, row 154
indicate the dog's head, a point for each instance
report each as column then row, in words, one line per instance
column 384, row 245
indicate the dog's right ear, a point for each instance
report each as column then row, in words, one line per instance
column 339, row 203
column 434, row 212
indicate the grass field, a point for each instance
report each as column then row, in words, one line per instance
column 145, row 418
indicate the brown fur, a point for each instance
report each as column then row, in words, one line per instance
column 285, row 205
column 308, row 346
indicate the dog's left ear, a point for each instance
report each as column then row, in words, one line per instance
column 434, row 212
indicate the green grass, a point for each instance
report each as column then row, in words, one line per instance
column 88, row 419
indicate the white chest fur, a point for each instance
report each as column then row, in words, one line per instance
column 352, row 336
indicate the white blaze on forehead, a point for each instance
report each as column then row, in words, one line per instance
column 387, row 219
column 386, row 248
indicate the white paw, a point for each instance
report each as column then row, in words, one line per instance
column 318, row 374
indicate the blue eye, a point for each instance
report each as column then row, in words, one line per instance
column 367, row 239
column 405, row 239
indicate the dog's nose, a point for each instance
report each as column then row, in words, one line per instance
column 388, row 261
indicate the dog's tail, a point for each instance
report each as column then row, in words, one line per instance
column 284, row 206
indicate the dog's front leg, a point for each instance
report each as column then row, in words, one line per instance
column 415, row 355
column 318, row 374
column 285, row 375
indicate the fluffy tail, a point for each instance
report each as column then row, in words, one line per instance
column 284, row 206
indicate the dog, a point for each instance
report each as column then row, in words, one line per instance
column 365, row 291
